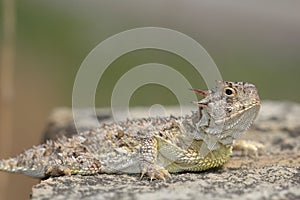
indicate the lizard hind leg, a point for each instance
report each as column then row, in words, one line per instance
column 85, row 166
column 77, row 163
column 148, row 160
column 40, row 163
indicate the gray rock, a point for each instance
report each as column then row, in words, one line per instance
column 275, row 174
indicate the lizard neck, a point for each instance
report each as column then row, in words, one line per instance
column 200, row 127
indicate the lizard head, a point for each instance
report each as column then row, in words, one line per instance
column 229, row 107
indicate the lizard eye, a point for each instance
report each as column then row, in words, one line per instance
column 229, row 91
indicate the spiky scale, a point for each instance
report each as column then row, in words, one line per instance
column 153, row 146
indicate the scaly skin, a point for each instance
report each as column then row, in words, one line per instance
column 153, row 146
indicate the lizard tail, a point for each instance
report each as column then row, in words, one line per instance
column 8, row 165
column 24, row 164
column 54, row 158
column 11, row 165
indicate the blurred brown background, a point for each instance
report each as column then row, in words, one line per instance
column 44, row 42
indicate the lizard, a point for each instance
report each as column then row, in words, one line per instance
column 156, row 146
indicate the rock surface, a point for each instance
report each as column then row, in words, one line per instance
column 275, row 174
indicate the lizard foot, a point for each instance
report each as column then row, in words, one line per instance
column 58, row 170
column 249, row 148
column 155, row 172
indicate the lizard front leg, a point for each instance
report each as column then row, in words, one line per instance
column 148, row 160
column 248, row 147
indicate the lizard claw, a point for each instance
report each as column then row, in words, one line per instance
column 155, row 172
column 142, row 174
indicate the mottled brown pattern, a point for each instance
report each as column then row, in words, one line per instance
column 152, row 146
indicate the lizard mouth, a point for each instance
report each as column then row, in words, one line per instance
column 255, row 105
column 243, row 118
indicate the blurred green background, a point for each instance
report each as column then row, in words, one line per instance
column 253, row 41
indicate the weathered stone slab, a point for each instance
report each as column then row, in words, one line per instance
column 273, row 175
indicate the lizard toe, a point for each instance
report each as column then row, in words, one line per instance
column 156, row 172
column 249, row 148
